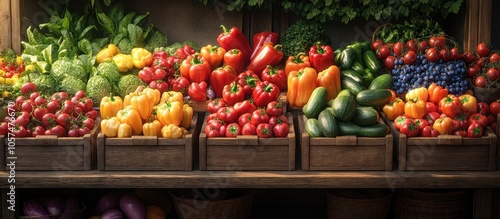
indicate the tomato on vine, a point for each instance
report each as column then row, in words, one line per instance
column 409, row 57
column 483, row 49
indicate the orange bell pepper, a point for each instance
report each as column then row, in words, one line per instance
column 195, row 68
column 132, row 117
column 469, row 104
column 451, row 105
column 170, row 113
column 420, row 93
column 187, row 116
column 295, row 63
column 443, row 125
column 110, row 105
column 127, row 98
column 154, row 96
column 172, row 96
column 415, row 109
column 152, row 128
column 124, row 130
column 142, row 105
column 301, row 84
column 213, row 54
column 436, row 93
column 330, row 79
column 394, row 109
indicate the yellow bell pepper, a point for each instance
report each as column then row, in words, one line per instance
column 107, row 53
column 172, row 96
column 187, row 116
column 415, row 109
column 6, row 94
column 420, row 93
column 301, row 84
column 110, row 105
column 141, row 57
column 152, row 128
column 153, row 95
column 2, row 79
column 171, row 131
column 109, row 127
column 131, row 116
column 124, row 62
column 142, row 105
column 128, row 97
column 170, row 113
column 124, row 131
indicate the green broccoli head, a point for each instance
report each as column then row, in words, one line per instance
column 110, row 71
column 125, row 46
column 65, row 66
column 157, row 40
column 46, row 83
column 300, row 36
column 71, row 84
column 97, row 88
column 128, row 84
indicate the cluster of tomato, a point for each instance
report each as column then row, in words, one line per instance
column 483, row 66
column 245, row 118
column 33, row 114
column 160, row 73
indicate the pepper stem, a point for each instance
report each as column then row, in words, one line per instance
column 224, row 29
column 297, row 58
column 319, row 49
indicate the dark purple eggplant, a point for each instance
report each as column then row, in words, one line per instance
column 33, row 207
column 53, row 205
column 112, row 214
column 132, row 206
column 110, row 200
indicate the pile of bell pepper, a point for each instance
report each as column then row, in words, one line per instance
column 432, row 111
column 146, row 112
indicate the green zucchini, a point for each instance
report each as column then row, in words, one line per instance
column 316, row 103
column 365, row 115
column 344, row 92
column 371, row 62
column 374, row 98
column 375, row 130
column 328, row 123
column 353, row 75
column 352, row 86
column 347, row 58
column 312, row 128
column 383, row 81
column 344, row 108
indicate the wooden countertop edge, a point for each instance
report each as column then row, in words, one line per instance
column 254, row 179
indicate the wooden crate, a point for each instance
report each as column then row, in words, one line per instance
column 147, row 152
column 445, row 152
column 49, row 152
column 345, row 152
column 248, row 152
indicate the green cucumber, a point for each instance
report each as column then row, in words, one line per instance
column 353, row 75
column 312, row 128
column 375, row 130
column 365, row 115
column 347, row 57
column 344, row 92
column 371, row 62
column 344, row 108
column 352, row 86
column 316, row 103
column 328, row 123
column 383, row 81
column 374, row 98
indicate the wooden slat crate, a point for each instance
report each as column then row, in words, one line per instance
column 49, row 152
column 147, row 152
column 345, row 152
column 445, row 152
column 248, row 152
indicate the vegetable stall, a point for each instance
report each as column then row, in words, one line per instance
column 143, row 110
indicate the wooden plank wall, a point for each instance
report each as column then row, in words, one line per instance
column 5, row 28
column 477, row 23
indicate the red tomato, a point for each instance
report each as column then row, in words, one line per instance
column 432, row 55
column 481, row 62
column 259, row 116
column 383, row 52
column 492, row 74
column 430, row 107
column 244, row 119
column 227, row 114
column 483, row 108
column 469, row 57
column 248, row 129
column 480, row 81
column 473, row 70
column 410, row 44
column 63, row 119
column 28, row 88
column 455, row 54
column 475, row 130
column 437, row 41
column 264, row 130
column 52, row 106
column 376, row 44
column 422, row 46
column 19, row 131
column 80, row 94
column 444, row 54
column 233, row 130
column 479, row 119
column 389, row 62
column 494, row 57
column 409, row 57
column 410, row 128
column 38, row 130
column 280, row 130
column 495, row 108
column 89, row 123
column 273, row 120
column 483, row 49
column 27, row 106
column 214, row 105
column 400, row 120
column 398, row 48
column 462, row 133
column 421, row 123
column 429, row 131
column 57, row 130
column 461, row 122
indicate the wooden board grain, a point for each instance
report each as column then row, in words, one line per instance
column 5, row 25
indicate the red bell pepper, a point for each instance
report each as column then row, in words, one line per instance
column 160, row 85
column 160, row 63
column 233, row 130
column 160, row 54
column 248, row 80
column 214, row 105
column 274, row 108
column 198, row 91
column 321, row 56
column 245, row 106
column 281, row 129
column 429, row 131
column 275, row 76
column 410, row 128
column 179, row 84
column 248, row 129
column 475, row 130
column 245, row 118
column 185, row 51
column 259, row 39
column 479, row 118
column 451, row 105
column 234, row 38
column 159, row 74
column 146, row 74
column 233, row 93
column 195, row 68
column 235, row 59
column 264, row 93
column 260, row 116
column 227, row 114
column 264, row 130
column 267, row 55
column 220, row 77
